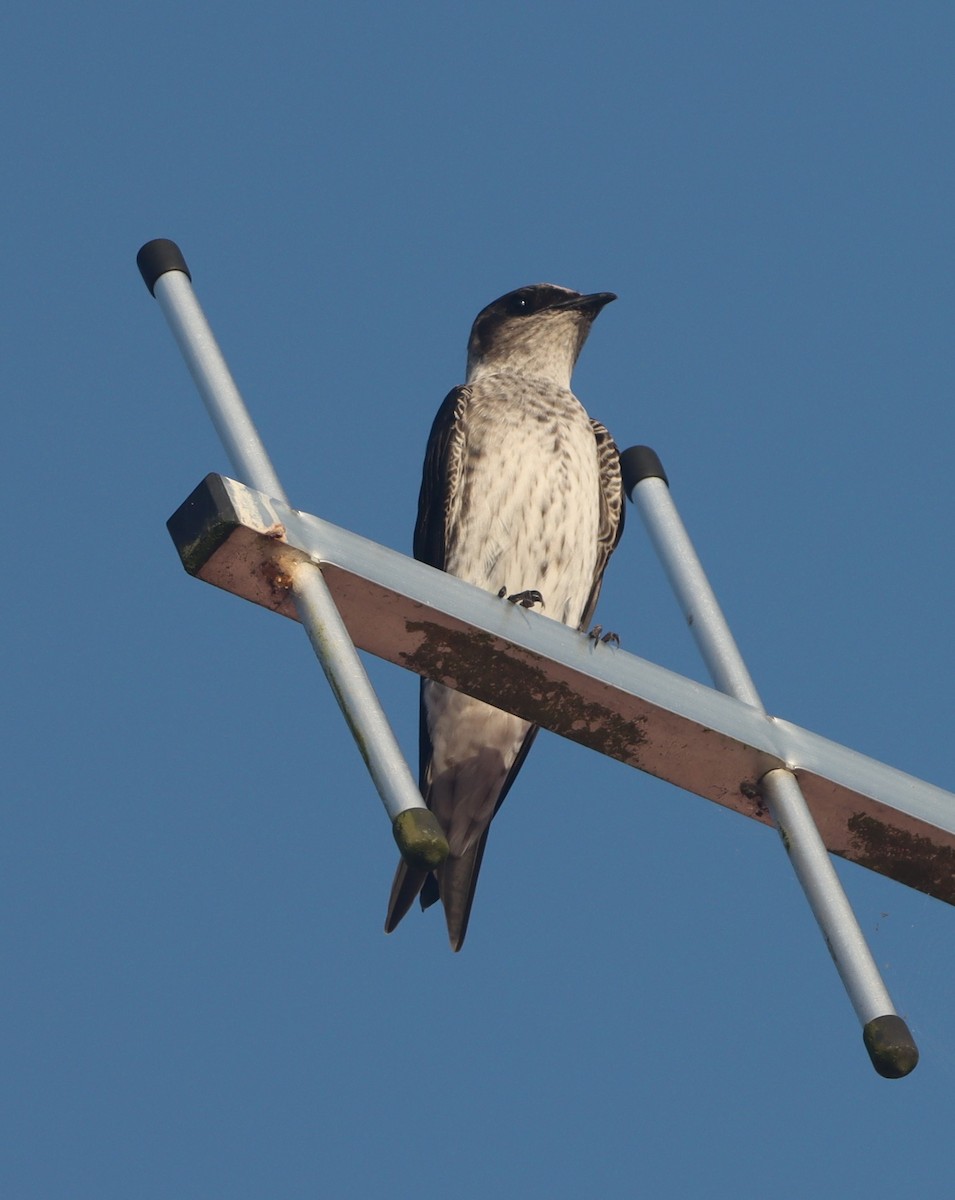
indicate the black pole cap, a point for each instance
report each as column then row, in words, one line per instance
column 156, row 258
column 891, row 1047
column 640, row 462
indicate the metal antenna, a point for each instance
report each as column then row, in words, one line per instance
column 416, row 830
column 886, row 1035
column 721, row 745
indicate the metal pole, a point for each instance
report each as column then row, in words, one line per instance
column 887, row 1037
column 416, row 830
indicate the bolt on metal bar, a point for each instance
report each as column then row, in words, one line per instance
column 416, row 830
column 887, row 1038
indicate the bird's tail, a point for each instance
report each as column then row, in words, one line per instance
column 457, row 881
column 408, row 883
column 453, row 883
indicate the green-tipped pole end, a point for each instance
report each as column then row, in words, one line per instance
column 420, row 838
column 891, row 1046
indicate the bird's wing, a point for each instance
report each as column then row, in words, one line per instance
column 612, row 512
column 440, row 479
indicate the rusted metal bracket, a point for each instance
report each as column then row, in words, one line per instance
column 596, row 694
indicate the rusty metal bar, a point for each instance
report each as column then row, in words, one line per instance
column 600, row 696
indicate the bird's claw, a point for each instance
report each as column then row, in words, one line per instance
column 607, row 639
column 525, row 599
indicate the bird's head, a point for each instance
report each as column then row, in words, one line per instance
column 537, row 330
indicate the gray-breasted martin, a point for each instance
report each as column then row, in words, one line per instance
column 521, row 495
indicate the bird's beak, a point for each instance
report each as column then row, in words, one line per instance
column 589, row 305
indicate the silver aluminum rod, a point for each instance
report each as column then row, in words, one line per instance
column 214, row 380
column 353, row 691
column 693, row 592
column 779, row 788
column 418, row 835
column 826, row 897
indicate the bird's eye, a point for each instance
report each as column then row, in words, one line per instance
column 519, row 305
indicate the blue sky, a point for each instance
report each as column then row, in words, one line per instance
column 194, row 866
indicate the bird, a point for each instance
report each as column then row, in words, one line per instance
column 521, row 495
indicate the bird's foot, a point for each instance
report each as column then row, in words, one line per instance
column 608, row 639
column 525, row 599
